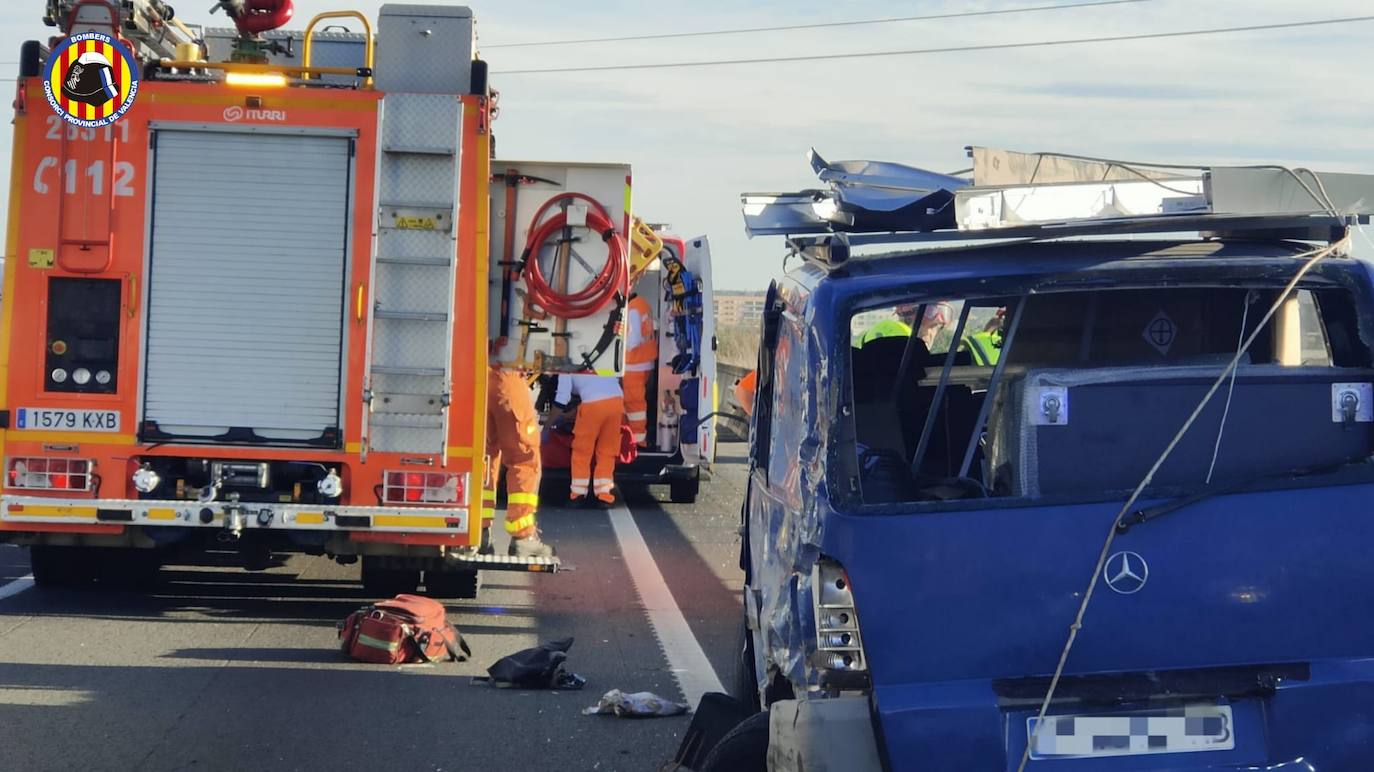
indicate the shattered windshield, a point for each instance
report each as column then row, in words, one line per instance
column 1073, row 394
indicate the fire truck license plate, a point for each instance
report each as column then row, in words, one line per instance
column 67, row 420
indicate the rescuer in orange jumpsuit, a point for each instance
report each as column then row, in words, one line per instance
column 596, row 433
column 744, row 391
column 513, row 439
column 641, row 357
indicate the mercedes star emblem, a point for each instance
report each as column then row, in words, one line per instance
column 1126, row 572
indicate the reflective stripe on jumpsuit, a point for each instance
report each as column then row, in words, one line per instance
column 596, row 440
column 640, row 361
column 513, row 440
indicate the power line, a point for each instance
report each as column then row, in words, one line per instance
column 818, row 25
column 945, row 50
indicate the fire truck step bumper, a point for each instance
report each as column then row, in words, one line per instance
column 504, row 563
column 19, row 512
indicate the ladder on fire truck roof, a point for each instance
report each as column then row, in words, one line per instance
column 409, row 378
column 1012, row 195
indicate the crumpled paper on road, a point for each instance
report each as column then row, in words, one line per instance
column 635, row 705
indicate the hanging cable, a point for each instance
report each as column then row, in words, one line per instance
column 941, row 50
column 546, row 228
column 814, row 25
column 1231, row 387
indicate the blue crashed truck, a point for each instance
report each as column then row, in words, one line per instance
column 1106, row 503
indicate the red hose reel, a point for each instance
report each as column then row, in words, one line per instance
column 254, row 17
column 602, row 289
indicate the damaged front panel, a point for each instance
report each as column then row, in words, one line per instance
column 789, row 499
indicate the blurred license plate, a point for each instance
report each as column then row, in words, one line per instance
column 1166, row 730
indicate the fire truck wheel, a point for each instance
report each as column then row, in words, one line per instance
column 453, row 584
column 684, row 491
column 130, row 569
column 387, row 582
column 60, row 566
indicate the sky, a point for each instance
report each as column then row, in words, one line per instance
column 698, row 137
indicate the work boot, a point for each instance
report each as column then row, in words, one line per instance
column 530, row 547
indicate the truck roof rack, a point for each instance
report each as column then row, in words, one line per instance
column 1010, row 195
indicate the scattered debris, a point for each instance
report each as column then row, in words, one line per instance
column 635, row 705
column 537, row 668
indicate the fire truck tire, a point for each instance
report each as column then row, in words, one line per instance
column 387, row 582
column 453, row 584
column 742, row 749
column 130, row 569
column 684, row 491
column 60, row 566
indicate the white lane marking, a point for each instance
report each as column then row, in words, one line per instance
column 688, row 662
column 15, row 587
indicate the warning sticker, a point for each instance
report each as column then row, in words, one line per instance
column 1161, row 332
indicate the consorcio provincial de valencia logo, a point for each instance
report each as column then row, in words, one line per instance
column 90, row 79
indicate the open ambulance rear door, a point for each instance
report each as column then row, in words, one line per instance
column 699, row 444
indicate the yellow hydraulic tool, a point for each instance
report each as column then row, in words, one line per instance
column 645, row 245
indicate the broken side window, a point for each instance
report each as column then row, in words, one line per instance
column 1093, row 386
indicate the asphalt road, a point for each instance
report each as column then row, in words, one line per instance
column 220, row 668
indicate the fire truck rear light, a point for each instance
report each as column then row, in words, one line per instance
column 49, row 474
column 404, row 487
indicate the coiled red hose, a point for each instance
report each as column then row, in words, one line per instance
column 602, row 289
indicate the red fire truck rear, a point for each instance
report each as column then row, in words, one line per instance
column 246, row 294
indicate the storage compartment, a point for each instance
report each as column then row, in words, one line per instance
column 570, row 260
column 246, row 288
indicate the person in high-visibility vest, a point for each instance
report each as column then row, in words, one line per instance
column 985, row 347
column 513, row 439
column 596, row 434
column 641, row 358
column 887, row 328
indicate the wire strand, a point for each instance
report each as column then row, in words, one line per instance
column 943, row 50
column 816, row 25
column 1231, row 387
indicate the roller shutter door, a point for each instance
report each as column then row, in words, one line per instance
column 246, row 287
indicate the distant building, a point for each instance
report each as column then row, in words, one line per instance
column 738, row 309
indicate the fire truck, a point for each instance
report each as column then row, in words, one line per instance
column 246, row 294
